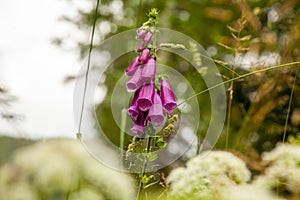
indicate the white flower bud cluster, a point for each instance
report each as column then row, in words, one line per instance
column 55, row 168
column 204, row 178
column 283, row 168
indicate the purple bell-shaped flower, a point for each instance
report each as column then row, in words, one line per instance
column 147, row 37
column 134, row 82
column 156, row 112
column 143, row 58
column 140, row 46
column 139, row 125
column 133, row 110
column 140, row 33
column 145, row 99
column 132, row 67
column 148, row 71
column 167, row 96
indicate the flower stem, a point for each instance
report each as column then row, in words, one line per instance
column 289, row 107
column 123, row 127
column 140, row 188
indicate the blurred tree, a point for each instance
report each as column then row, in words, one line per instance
column 5, row 101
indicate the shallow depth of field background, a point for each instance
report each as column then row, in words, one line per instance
column 42, row 47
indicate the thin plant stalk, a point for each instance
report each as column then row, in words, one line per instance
column 237, row 78
column 229, row 110
column 289, row 107
column 123, row 127
column 144, row 168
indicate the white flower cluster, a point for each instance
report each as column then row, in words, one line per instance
column 247, row 192
column 283, row 168
column 56, row 168
column 206, row 177
column 252, row 60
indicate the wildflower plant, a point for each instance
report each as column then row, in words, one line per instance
column 150, row 103
column 154, row 112
column 157, row 108
column 282, row 173
column 203, row 178
column 153, row 100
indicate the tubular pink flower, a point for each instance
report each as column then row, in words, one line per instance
column 143, row 58
column 140, row 33
column 156, row 112
column 140, row 46
column 133, row 110
column 147, row 37
column 139, row 125
column 148, row 71
column 132, row 67
column 167, row 96
column 134, row 82
column 145, row 99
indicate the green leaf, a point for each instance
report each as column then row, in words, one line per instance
column 152, row 156
column 150, row 184
column 159, row 142
column 146, row 178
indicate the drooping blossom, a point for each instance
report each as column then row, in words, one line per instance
column 140, row 47
column 140, row 33
column 145, row 98
column 156, row 112
column 148, row 71
column 147, row 37
column 139, row 125
column 143, row 58
column 134, row 81
column 132, row 67
column 133, row 110
column 167, row 96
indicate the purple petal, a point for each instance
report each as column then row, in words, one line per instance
column 148, row 71
column 138, row 130
column 147, row 37
column 156, row 112
column 140, row 46
column 133, row 110
column 132, row 67
column 140, row 33
column 139, row 125
column 134, row 82
column 144, row 56
column 167, row 96
column 144, row 100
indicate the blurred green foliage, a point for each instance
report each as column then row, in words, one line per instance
column 8, row 145
column 260, row 102
column 262, row 112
